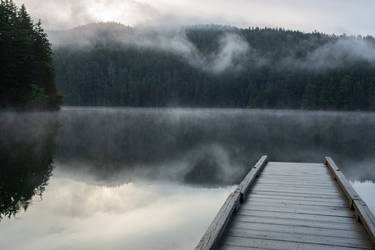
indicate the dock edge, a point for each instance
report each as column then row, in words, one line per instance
column 360, row 208
column 216, row 229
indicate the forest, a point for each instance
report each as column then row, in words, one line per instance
column 110, row 64
column 26, row 68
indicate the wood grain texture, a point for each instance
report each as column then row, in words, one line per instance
column 251, row 177
column 216, row 229
column 294, row 206
column 362, row 212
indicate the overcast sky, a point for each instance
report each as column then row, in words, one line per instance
column 330, row 16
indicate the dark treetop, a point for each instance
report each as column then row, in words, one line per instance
column 214, row 66
column 26, row 69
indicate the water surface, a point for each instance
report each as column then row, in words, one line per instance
column 113, row 178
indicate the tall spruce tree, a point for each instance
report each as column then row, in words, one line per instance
column 27, row 74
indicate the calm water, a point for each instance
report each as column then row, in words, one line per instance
column 153, row 179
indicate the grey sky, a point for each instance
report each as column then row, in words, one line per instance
column 330, row 16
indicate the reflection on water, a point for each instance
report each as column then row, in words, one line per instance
column 26, row 150
column 77, row 215
column 367, row 192
column 153, row 179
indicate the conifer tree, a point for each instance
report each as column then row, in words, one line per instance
column 26, row 66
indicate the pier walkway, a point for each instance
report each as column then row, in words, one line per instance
column 300, row 206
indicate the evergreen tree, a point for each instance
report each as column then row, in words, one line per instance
column 110, row 73
column 27, row 70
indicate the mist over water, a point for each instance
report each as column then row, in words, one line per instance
column 113, row 177
column 184, row 143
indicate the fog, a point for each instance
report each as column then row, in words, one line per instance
column 112, row 177
column 232, row 52
column 343, row 52
column 212, row 146
column 335, row 16
column 204, row 147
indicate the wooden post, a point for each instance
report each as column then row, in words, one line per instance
column 362, row 212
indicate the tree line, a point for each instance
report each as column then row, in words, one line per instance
column 27, row 70
column 114, row 74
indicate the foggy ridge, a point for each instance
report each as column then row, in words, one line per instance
column 213, row 66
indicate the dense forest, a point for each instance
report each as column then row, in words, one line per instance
column 214, row 66
column 26, row 68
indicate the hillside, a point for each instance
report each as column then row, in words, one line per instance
column 213, row 66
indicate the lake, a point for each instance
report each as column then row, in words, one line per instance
column 116, row 178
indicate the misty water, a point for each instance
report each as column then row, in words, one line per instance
column 113, row 178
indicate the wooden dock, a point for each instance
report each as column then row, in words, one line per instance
column 301, row 206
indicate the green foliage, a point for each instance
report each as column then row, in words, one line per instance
column 38, row 96
column 26, row 67
column 111, row 73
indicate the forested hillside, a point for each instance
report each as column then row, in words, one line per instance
column 214, row 66
column 26, row 68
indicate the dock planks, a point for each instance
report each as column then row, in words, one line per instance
column 282, row 205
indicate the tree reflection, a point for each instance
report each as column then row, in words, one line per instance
column 26, row 154
column 209, row 147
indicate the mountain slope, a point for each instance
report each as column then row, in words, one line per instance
column 214, row 66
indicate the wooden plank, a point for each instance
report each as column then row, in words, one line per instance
column 301, row 183
column 278, row 244
column 217, row 227
column 365, row 217
column 328, row 201
column 251, row 177
column 348, row 190
column 300, row 210
column 260, row 187
column 292, row 169
column 228, row 247
column 294, row 200
column 290, row 215
column 296, row 170
column 305, row 204
column 286, row 175
column 275, row 182
column 360, row 208
column 300, row 238
column 298, row 222
column 323, row 179
column 296, row 175
column 292, row 229
column 295, row 164
column 306, row 192
column 282, row 194
column 297, row 187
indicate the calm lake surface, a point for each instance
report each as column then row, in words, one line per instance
column 113, row 178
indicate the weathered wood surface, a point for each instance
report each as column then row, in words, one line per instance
column 361, row 211
column 214, row 233
column 292, row 206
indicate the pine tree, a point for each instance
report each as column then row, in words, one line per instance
column 27, row 74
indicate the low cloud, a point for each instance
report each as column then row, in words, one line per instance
column 229, row 55
column 335, row 16
column 341, row 52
